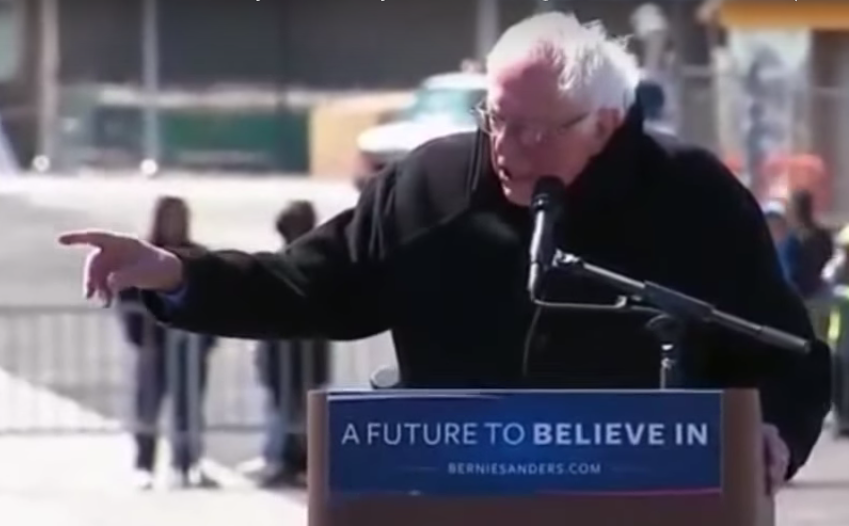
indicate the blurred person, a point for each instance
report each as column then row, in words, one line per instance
column 786, row 244
column 836, row 271
column 816, row 248
column 168, row 361
column 836, row 275
column 288, row 369
column 436, row 251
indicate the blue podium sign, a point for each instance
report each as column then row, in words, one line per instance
column 453, row 443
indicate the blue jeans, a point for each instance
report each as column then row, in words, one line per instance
column 181, row 372
column 276, row 433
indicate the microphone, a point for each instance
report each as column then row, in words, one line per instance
column 546, row 207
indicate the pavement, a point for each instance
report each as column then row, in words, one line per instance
column 69, row 372
column 83, row 479
column 102, row 508
column 819, row 496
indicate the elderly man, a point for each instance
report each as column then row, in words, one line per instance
column 436, row 251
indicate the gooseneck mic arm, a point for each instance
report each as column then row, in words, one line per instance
column 546, row 209
column 679, row 305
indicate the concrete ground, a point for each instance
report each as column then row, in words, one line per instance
column 82, row 479
column 819, row 496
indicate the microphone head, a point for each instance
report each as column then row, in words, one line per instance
column 549, row 193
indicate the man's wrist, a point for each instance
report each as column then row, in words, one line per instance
column 175, row 281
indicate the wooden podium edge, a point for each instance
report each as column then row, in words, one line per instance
column 744, row 474
column 317, row 459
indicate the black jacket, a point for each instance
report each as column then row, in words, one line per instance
column 434, row 253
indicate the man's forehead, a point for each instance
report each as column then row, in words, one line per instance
column 530, row 87
column 524, row 75
column 529, row 104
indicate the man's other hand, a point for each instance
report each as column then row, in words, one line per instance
column 117, row 262
column 777, row 458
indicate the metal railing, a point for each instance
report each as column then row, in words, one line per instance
column 75, row 370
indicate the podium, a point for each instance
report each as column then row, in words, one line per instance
column 536, row 458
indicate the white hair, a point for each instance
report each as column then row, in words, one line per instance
column 593, row 68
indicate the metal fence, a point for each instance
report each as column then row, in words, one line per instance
column 72, row 370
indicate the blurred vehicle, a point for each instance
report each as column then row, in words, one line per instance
column 442, row 105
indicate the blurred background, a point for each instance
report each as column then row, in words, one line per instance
column 287, row 87
column 246, row 109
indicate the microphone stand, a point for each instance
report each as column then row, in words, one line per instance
column 669, row 311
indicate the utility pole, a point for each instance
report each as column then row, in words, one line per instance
column 47, row 84
column 486, row 27
column 756, row 128
column 150, row 82
column 545, row 5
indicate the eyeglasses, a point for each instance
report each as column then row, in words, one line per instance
column 493, row 124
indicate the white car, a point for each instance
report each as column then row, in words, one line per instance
column 442, row 105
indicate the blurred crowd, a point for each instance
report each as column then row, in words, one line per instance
column 806, row 253
column 175, row 364
column 815, row 261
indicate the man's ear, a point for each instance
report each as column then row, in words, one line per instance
column 606, row 123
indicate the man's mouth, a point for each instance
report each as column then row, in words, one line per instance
column 506, row 175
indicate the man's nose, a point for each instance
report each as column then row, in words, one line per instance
column 518, row 149
column 528, row 137
column 525, row 135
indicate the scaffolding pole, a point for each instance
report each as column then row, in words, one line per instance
column 487, row 27
column 47, row 82
column 150, row 82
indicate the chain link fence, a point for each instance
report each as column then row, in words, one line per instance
column 81, row 355
column 73, row 370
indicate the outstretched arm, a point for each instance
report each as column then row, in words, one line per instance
column 330, row 283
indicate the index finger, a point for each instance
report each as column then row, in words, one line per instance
column 96, row 238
